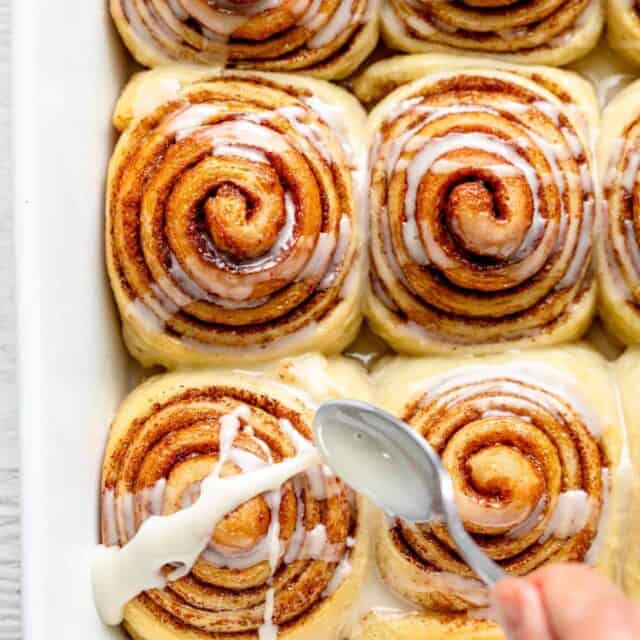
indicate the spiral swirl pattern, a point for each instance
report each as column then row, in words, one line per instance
column 482, row 214
column 328, row 38
column 275, row 559
column 545, row 31
column 528, row 473
column 232, row 228
column 620, row 260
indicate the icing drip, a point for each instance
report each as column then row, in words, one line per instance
column 570, row 516
column 229, row 427
column 268, row 630
column 340, row 574
column 120, row 574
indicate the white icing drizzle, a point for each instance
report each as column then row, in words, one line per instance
column 474, row 378
column 344, row 237
column 550, row 110
column 268, row 630
column 120, row 574
column 570, row 516
column 339, row 575
column 469, row 589
column 315, row 542
column 110, row 528
column 229, row 427
column 424, row 160
column 596, row 546
column 274, row 549
column 246, row 460
column 573, row 142
column 312, row 17
column 178, row 10
column 583, row 248
column 314, row 474
column 337, row 24
column 320, row 257
column 630, row 175
column 141, row 312
column 152, row 497
column 126, row 512
column 242, row 152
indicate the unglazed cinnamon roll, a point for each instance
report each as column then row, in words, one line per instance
column 536, row 450
column 285, row 564
column 483, row 205
column 619, row 250
column 553, row 32
column 325, row 38
column 234, row 216
column 623, row 28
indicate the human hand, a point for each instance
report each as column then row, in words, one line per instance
column 565, row 602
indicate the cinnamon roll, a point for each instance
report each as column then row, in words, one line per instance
column 553, row 32
column 287, row 563
column 628, row 376
column 619, row 249
column 482, row 204
column 234, row 216
column 324, row 38
column 623, row 28
column 535, row 448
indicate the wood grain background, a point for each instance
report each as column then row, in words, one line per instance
column 9, row 484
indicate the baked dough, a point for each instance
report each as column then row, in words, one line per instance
column 235, row 221
column 482, row 204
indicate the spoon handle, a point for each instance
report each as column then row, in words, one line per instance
column 486, row 569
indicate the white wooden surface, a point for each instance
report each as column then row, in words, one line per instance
column 9, row 491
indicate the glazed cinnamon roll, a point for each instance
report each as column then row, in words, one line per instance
column 535, row 448
column 234, row 217
column 482, row 204
column 287, row 563
column 553, row 32
column 623, row 28
column 619, row 249
column 628, row 377
column 325, row 38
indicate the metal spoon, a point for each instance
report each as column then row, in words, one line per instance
column 384, row 459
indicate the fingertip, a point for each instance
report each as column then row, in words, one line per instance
column 519, row 611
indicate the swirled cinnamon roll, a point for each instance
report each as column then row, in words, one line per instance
column 234, row 216
column 287, row 563
column 628, row 377
column 324, row 38
column 553, row 32
column 535, row 448
column 619, row 250
column 623, row 28
column 482, row 204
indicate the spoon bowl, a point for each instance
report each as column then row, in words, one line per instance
column 385, row 460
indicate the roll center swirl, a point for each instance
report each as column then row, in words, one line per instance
column 240, row 226
column 481, row 223
column 497, row 486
